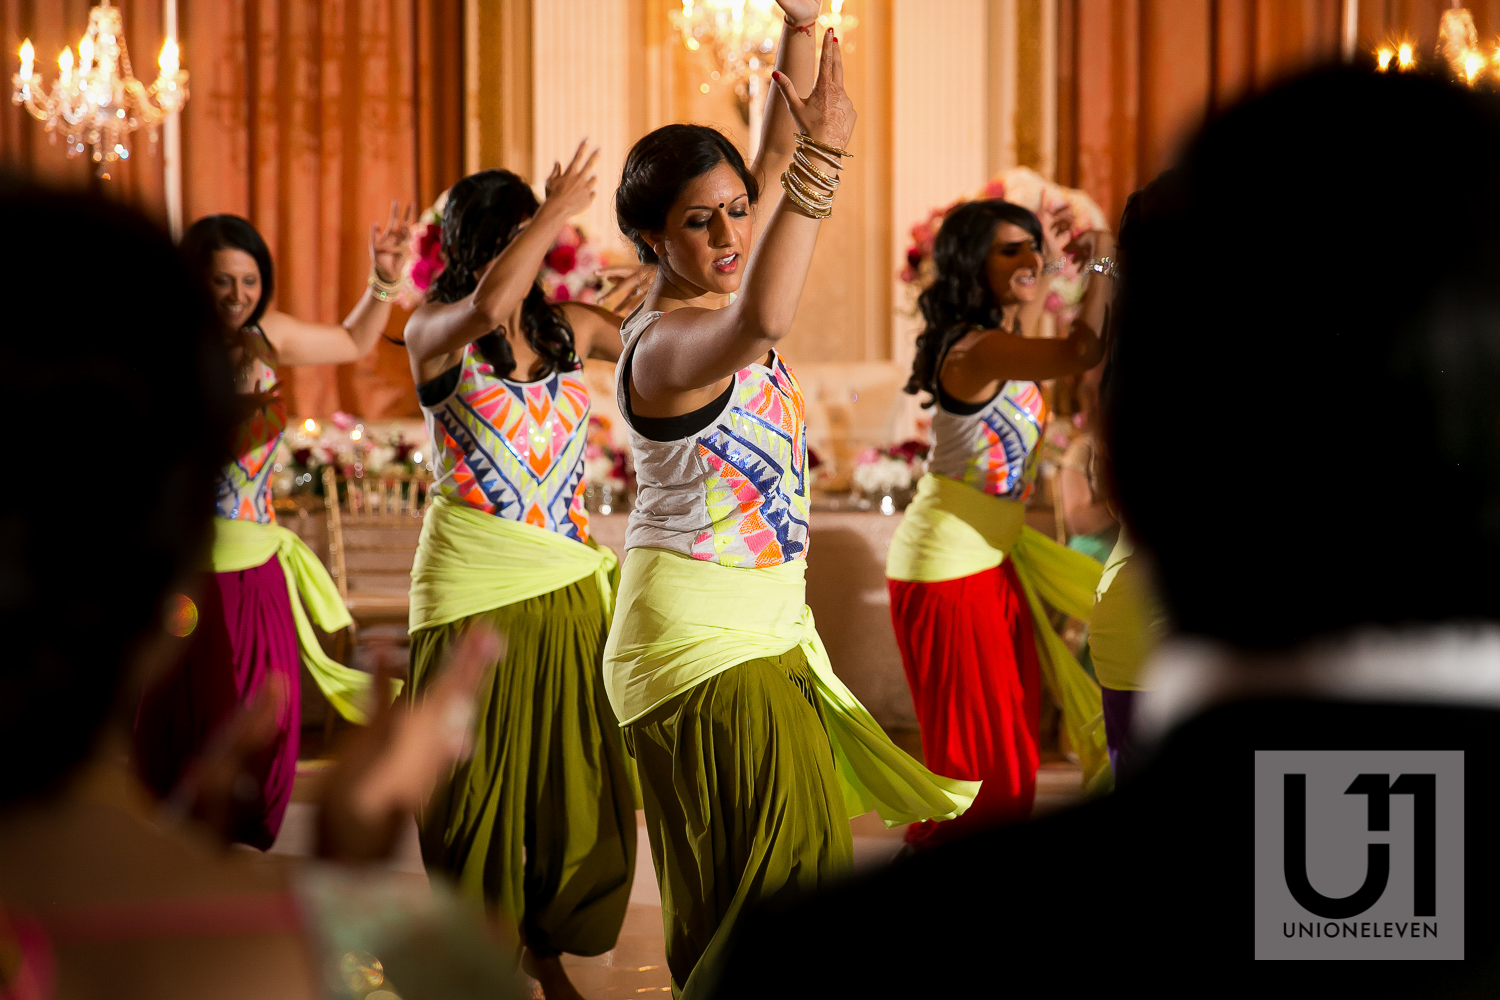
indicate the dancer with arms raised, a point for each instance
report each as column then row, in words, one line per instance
column 540, row 822
column 752, row 754
column 965, row 574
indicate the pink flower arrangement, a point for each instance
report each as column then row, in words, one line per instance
column 569, row 271
column 427, row 255
column 603, row 463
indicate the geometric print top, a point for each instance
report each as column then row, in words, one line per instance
column 736, row 491
column 243, row 488
column 513, row 449
column 992, row 450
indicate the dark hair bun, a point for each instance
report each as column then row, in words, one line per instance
column 659, row 166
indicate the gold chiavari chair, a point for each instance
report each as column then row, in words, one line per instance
column 374, row 523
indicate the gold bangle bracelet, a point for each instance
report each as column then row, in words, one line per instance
column 801, row 203
column 817, row 199
column 803, row 137
column 827, row 180
column 383, row 290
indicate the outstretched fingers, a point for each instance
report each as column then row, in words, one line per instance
column 588, row 164
column 825, row 62
column 578, row 155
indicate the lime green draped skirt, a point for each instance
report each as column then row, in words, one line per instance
column 743, row 805
column 540, row 821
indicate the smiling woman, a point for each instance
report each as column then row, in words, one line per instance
column 253, row 627
column 963, row 569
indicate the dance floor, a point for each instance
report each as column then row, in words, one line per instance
column 637, row 965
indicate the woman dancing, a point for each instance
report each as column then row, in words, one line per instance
column 752, row 754
column 540, row 822
column 252, row 626
column 965, row 574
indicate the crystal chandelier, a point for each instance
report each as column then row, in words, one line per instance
column 1458, row 46
column 742, row 36
column 97, row 101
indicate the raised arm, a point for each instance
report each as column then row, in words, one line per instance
column 298, row 342
column 438, row 331
column 998, row 355
column 691, row 349
column 795, row 60
column 596, row 328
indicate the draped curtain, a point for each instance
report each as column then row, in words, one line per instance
column 307, row 117
column 1135, row 77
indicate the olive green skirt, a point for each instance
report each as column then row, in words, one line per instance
column 743, row 806
column 540, row 822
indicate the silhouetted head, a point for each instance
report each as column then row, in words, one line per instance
column 137, row 406
column 1304, row 416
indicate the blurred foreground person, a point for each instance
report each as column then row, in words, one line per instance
column 1322, row 427
column 101, row 895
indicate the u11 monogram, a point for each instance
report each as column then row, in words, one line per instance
column 1378, row 788
column 1359, row 854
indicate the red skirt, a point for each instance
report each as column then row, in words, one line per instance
column 971, row 661
column 245, row 634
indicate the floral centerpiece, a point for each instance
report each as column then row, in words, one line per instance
column 608, row 471
column 347, row 445
column 1029, row 189
column 889, row 474
column 569, row 272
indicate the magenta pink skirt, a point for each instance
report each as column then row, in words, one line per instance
column 245, row 634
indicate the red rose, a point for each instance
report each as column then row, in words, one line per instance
column 561, row 293
column 562, row 258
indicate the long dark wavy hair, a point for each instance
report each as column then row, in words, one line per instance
column 484, row 213
column 960, row 298
column 230, row 232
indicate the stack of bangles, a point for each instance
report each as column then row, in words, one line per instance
column 806, row 186
column 383, row 290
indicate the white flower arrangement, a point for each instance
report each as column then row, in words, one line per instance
column 883, row 476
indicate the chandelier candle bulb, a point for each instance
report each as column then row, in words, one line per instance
column 101, row 103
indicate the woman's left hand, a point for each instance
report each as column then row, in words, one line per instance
column 800, row 11
column 390, row 247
